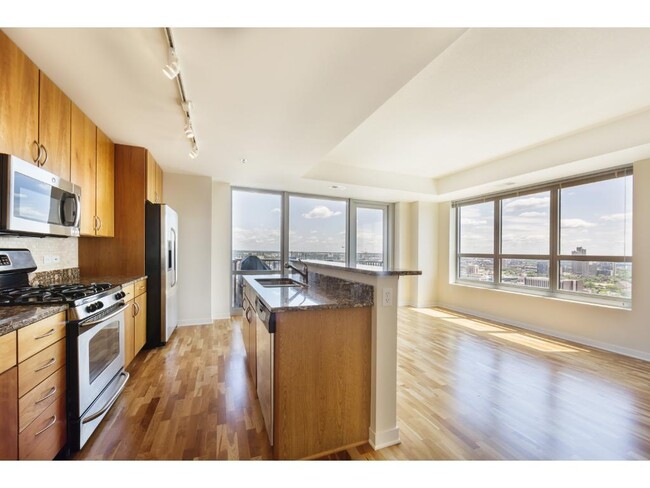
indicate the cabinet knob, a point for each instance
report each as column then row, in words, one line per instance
column 44, row 152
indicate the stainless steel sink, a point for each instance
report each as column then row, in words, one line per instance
column 276, row 282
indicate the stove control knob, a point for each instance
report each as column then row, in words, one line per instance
column 91, row 308
column 122, row 294
column 119, row 295
column 99, row 305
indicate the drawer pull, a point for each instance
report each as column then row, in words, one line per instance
column 47, row 334
column 52, row 422
column 47, row 365
column 49, row 394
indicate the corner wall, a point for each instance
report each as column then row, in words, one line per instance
column 617, row 330
column 221, row 229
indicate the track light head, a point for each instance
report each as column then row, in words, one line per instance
column 189, row 131
column 195, row 151
column 172, row 68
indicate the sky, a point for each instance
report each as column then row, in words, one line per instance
column 596, row 216
column 316, row 225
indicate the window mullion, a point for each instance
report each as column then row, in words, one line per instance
column 553, row 265
column 497, row 241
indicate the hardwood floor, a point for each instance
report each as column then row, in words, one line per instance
column 467, row 389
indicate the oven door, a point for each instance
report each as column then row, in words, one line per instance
column 39, row 202
column 100, row 354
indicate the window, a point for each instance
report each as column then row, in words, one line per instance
column 271, row 227
column 317, row 229
column 572, row 238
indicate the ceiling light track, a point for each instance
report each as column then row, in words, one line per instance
column 173, row 71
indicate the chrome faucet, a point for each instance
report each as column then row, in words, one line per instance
column 304, row 272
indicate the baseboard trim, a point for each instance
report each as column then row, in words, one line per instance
column 221, row 317
column 187, row 322
column 552, row 333
column 386, row 438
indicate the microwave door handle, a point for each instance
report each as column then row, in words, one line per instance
column 77, row 200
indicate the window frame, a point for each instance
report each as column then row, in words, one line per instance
column 554, row 257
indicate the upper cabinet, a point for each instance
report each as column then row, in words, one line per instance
column 93, row 162
column 54, row 128
column 34, row 113
column 18, row 102
column 105, row 186
column 154, row 180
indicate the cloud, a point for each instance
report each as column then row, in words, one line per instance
column 576, row 224
column 275, row 210
column 529, row 202
column 532, row 214
column 320, row 212
column 469, row 221
column 618, row 217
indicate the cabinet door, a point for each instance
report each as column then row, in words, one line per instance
column 151, row 178
column 159, row 184
column 252, row 357
column 54, row 127
column 140, row 322
column 105, row 186
column 18, row 102
column 84, row 166
column 129, row 334
column 9, row 414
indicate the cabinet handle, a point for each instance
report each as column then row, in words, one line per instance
column 44, row 152
column 38, row 155
column 49, row 394
column 99, row 222
column 47, row 365
column 47, row 334
column 136, row 308
column 52, row 422
column 94, row 222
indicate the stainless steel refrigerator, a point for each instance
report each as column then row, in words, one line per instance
column 161, row 242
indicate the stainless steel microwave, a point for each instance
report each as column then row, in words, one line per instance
column 35, row 201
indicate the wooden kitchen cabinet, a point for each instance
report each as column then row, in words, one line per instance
column 8, row 396
column 93, row 161
column 105, row 186
column 54, row 128
column 140, row 303
column 19, row 79
column 129, row 333
column 154, row 180
column 84, row 167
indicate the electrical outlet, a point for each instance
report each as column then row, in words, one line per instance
column 387, row 297
column 51, row 259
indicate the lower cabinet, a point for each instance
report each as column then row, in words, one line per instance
column 140, row 303
column 129, row 333
column 135, row 320
column 9, row 414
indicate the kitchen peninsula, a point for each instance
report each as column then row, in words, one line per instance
column 383, row 431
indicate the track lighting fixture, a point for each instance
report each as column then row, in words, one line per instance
column 195, row 151
column 172, row 68
column 189, row 132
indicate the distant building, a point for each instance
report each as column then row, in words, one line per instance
column 571, row 285
column 579, row 267
column 538, row 281
column 542, row 268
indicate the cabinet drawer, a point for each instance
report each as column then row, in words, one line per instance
column 140, row 287
column 38, row 336
column 34, row 370
column 7, row 351
column 46, row 435
column 42, row 396
column 130, row 292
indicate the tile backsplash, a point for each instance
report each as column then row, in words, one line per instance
column 50, row 253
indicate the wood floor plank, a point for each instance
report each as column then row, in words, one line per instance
column 467, row 389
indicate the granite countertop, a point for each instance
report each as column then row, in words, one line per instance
column 17, row 316
column 368, row 270
column 112, row 279
column 323, row 292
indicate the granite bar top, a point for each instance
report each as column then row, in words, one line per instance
column 322, row 293
column 17, row 316
column 359, row 268
column 112, row 279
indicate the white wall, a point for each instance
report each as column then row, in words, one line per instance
column 404, row 257
column 618, row 330
column 191, row 197
column 221, row 228
column 65, row 248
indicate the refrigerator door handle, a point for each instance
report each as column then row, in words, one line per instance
column 175, row 277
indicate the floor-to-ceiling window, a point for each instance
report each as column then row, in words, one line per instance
column 270, row 228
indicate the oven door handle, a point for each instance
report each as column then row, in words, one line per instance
column 109, row 403
column 103, row 319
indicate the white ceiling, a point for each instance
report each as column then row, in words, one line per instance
column 392, row 114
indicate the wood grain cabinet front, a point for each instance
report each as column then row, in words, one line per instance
column 140, row 303
column 54, row 123
column 46, row 435
column 9, row 414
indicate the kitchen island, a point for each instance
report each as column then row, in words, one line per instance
column 308, row 350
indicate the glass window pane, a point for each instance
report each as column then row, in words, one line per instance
column 477, row 228
column 525, row 272
column 479, row 269
column 596, row 218
column 317, row 229
column 597, row 278
column 370, row 237
column 525, row 224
